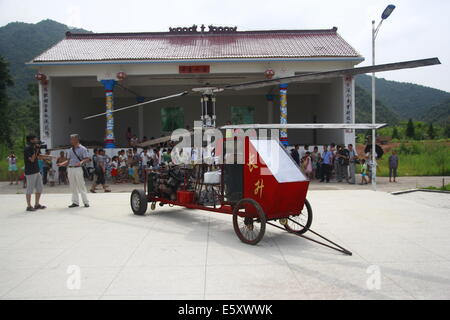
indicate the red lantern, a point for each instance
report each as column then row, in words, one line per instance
column 40, row 77
column 269, row 73
column 121, row 75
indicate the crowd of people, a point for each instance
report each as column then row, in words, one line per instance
column 339, row 162
column 129, row 166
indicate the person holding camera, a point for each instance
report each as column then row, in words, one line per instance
column 32, row 153
column 77, row 156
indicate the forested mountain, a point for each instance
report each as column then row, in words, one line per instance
column 363, row 103
column 408, row 100
column 439, row 114
column 20, row 42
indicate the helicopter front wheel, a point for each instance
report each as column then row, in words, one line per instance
column 249, row 221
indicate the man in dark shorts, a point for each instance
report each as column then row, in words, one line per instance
column 100, row 170
column 31, row 154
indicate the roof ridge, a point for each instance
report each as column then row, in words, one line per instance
column 70, row 34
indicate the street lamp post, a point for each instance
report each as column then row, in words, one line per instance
column 386, row 13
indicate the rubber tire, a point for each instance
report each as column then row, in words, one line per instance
column 308, row 222
column 142, row 202
column 262, row 217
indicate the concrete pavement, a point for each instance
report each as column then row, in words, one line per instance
column 400, row 251
column 404, row 183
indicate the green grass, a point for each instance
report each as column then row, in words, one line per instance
column 444, row 188
column 420, row 158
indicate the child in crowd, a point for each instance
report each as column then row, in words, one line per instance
column 12, row 168
column 114, row 168
column 51, row 177
column 363, row 172
column 166, row 156
column 307, row 165
column 130, row 173
column 122, row 167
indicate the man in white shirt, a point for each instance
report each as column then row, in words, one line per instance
column 77, row 156
column 145, row 157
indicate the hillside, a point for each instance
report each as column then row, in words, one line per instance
column 20, row 42
column 363, row 102
column 408, row 100
column 439, row 114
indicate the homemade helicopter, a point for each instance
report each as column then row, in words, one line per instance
column 268, row 187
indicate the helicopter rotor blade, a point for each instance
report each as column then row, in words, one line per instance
column 164, row 139
column 180, row 94
column 335, row 74
column 355, row 126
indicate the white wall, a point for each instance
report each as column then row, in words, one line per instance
column 330, row 109
column 71, row 103
column 69, row 106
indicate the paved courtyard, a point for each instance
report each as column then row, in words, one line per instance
column 400, row 245
column 383, row 184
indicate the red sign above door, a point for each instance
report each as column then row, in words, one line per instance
column 193, row 69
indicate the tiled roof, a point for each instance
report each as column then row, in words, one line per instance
column 199, row 46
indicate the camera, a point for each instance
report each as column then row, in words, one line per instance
column 40, row 145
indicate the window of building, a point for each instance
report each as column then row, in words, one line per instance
column 172, row 118
column 242, row 115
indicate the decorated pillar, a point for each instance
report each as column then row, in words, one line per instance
column 283, row 113
column 109, row 131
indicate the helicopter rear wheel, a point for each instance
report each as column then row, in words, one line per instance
column 300, row 223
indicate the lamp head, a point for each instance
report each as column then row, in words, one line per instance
column 387, row 12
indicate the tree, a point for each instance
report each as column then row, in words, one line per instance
column 447, row 130
column 431, row 132
column 5, row 82
column 410, row 131
column 395, row 134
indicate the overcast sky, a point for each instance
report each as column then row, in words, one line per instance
column 417, row 28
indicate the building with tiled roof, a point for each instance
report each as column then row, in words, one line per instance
column 142, row 66
column 167, row 46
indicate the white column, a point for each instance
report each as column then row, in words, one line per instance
column 45, row 112
column 349, row 108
